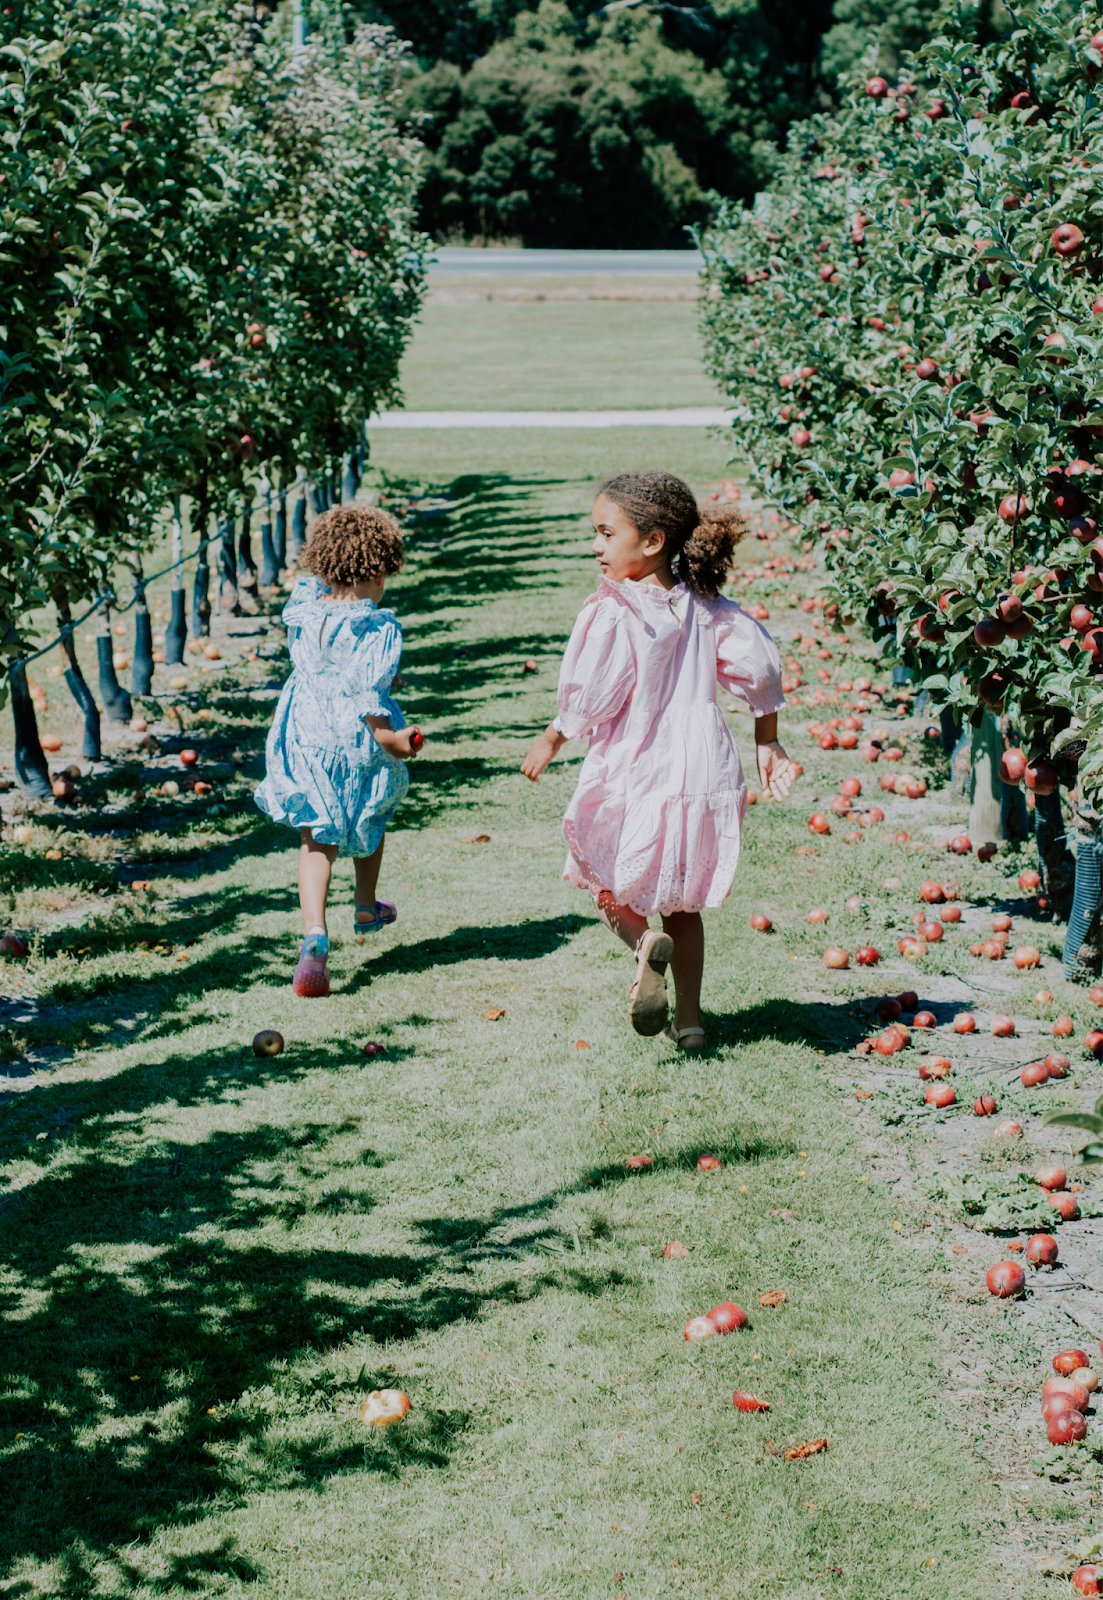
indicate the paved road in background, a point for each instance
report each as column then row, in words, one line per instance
column 678, row 417
column 575, row 263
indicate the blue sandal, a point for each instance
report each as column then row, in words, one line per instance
column 382, row 914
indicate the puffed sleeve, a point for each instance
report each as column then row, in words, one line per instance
column 379, row 651
column 747, row 660
column 598, row 671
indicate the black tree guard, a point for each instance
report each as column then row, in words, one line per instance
column 90, row 747
column 298, row 529
column 30, row 764
column 114, row 698
column 269, row 566
column 141, row 676
column 176, row 632
column 279, row 542
column 1058, row 870
column 201, row 597
column 227, row 563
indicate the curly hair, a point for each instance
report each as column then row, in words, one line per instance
column 353, row 544
column 699, row 539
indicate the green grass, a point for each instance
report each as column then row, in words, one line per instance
column 210, row 1258
column 500, row 355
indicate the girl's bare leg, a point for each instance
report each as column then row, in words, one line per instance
column 621, row 920
column 687, row 965
column 367, row 877
column 315, row 868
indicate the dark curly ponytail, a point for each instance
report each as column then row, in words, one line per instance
column 700, row 540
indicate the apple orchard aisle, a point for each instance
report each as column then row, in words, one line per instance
column 478, row 1215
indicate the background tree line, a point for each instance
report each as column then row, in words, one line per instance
column 565, row 123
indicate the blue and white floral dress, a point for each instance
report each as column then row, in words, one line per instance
column 325, row 769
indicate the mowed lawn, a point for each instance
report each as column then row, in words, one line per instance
column 210, row 1259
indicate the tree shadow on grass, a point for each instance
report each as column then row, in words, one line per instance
column 193, row 1328
column 514, row 941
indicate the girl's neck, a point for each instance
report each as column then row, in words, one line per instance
column 343, row 594
column 660, row 577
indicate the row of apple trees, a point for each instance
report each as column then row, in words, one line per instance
column 910, row 324
column 208, row 271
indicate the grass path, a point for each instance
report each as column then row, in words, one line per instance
column 209, row 1259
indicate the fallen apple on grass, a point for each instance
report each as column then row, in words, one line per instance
column 836, row 958
column 383, row 1407
column 1009, row 1130
column 866, row 955
column 1067, row 1427
column 727, row 1317
column 709, row 1163
column 1058, row 1066
column 639, row 1163
column 984, row 1106
column 1088, row 1580
column 1034, row 1073
column 372, row 1049
column 1066, row 1362
column 1063, row 1027
column 1041, row 1250
column 939, row 1067
column 940, row 1095
column 965, row 1022
column 743, row 1400
column 760, row 922
column 675, row 1251
column 1065, row 1205
column 1005, row 1279
column 1003, row 1027
column 267, row 1042
column 15, row 947
column 1052, row 1177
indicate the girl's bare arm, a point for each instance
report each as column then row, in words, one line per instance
column 395, row 744
column 543, row 752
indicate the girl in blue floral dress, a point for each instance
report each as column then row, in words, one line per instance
column 337, row 748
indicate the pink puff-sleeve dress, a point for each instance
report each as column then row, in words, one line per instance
column 660, row 800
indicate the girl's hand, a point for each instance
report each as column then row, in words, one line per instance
column 402, row 745
column 543, row 752
column 775, row 769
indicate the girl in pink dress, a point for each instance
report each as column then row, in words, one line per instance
column 654, row 823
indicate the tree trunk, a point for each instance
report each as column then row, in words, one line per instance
column 177, row 631
column 114, row 698
column 351, row 480
column 269, row 567
column 985, row 794
column 90, row 747
column 31, row 767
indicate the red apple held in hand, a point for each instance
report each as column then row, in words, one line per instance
column 417, row 738
column 1041, row 1250
column 965, row 1022
column 1005, row 1279
column 727, row 1317
column 268, row 1043
column 1053, row 1177
column 985, row 1106
column 760, row 922
column 940, row 1095
column 836, row 958
column 1033, row 1074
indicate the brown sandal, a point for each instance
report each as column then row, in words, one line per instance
column 648, row 1003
